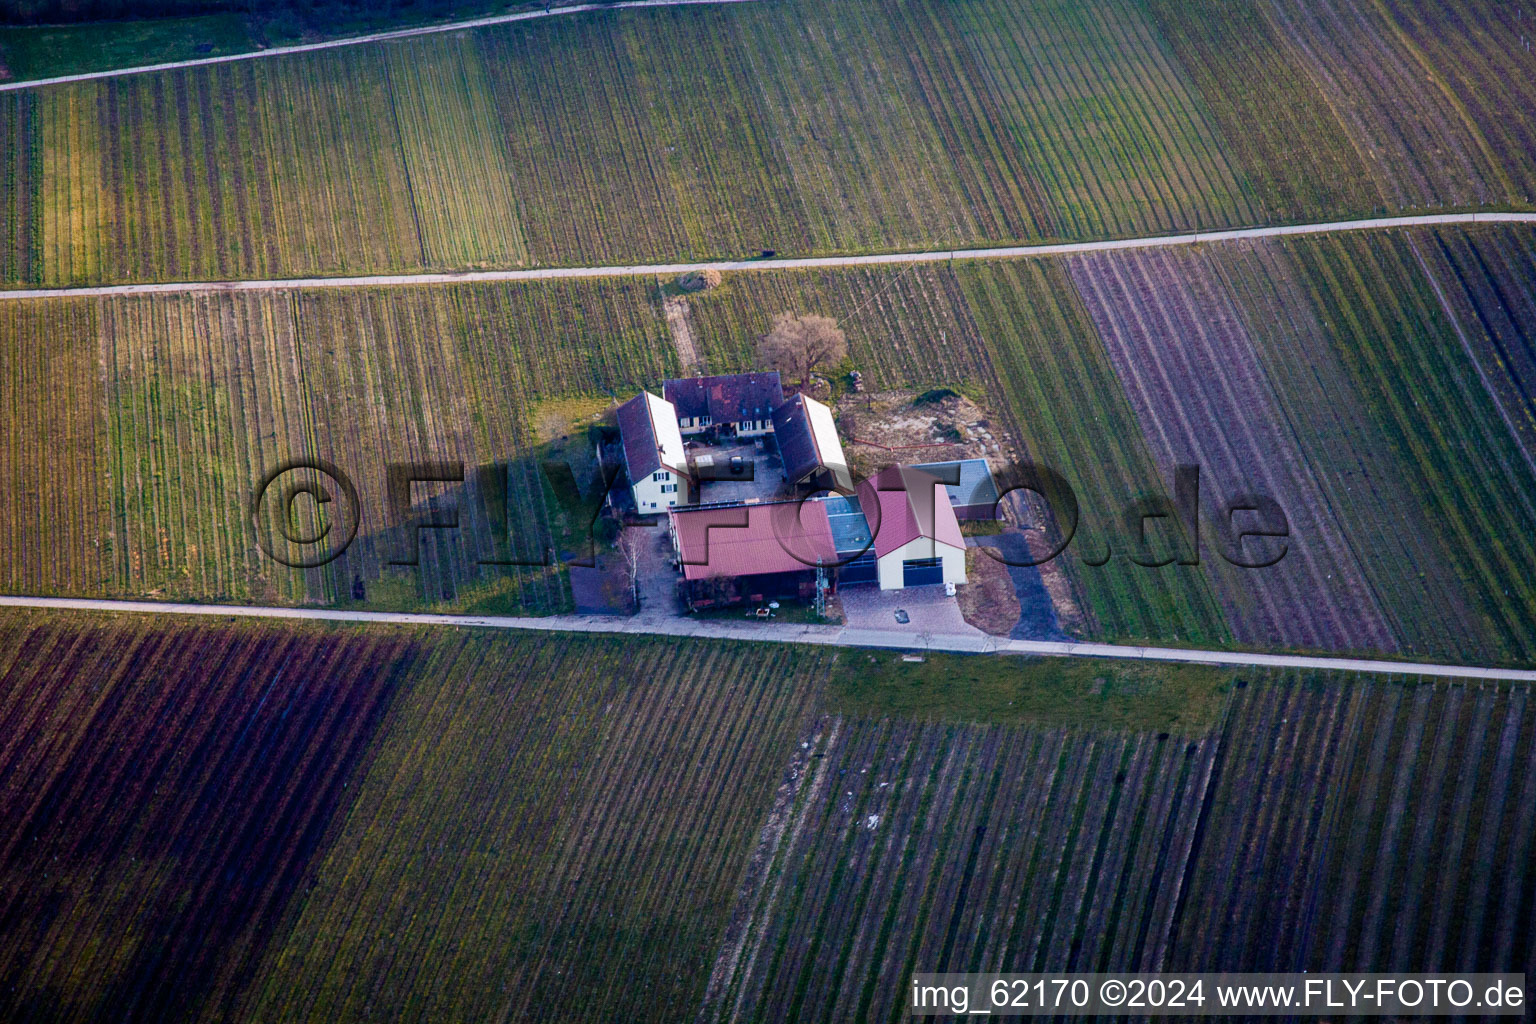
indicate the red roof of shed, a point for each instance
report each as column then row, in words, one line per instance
column 753, row 540
column 913, row 504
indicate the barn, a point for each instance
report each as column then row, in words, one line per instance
column 756, row 552
column 809, row 446
column 917, row 538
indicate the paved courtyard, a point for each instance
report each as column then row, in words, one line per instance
column 656, row 577
column 765, row 485
column 928, row 610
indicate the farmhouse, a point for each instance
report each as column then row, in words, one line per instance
column 751, row 552
column 740, row 403
column 653, row 453
column 756, row 550
column 969, row 484
column 918, row 539
column 809, row 446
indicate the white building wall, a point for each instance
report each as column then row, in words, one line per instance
column 743, row 428
column 651, row 498
column 753, row 428
column 921, row 547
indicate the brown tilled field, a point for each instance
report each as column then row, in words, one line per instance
column 1180, row 344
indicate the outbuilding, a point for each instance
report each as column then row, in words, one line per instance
column 968, row 482
column 809, row 446
column 918, row 539
column 754, row 551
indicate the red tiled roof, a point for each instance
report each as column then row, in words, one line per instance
column 913, row 504
column 751, row 540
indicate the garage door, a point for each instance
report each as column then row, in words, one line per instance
column 918, row 572
column 863, row 569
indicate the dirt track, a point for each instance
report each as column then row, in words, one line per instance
column 672, row 269
column 774, row 632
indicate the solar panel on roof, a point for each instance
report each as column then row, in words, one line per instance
column 850, row 529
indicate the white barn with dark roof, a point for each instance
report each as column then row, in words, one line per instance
column 809, row 445
column 653, row 453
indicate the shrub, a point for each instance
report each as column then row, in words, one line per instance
column 699, row 280
column 934, row 396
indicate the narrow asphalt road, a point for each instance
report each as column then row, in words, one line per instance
column 668, row 269
column 374, row 37
column 784, row 633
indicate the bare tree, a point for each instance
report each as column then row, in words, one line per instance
column 797, row 345
column 628, row 547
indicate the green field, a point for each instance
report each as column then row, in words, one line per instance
column 1420, row 89
column 48, row 39
column 1328, row 823
column 1439, row 488
column 1298, row 157
column 1065, row 401
column 253, row 821
column 559, row 808
column 1129, row 697
column 327, row 805
column 136, row 431
column 1387, row 375
column 44, row 51
column 804, row 128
